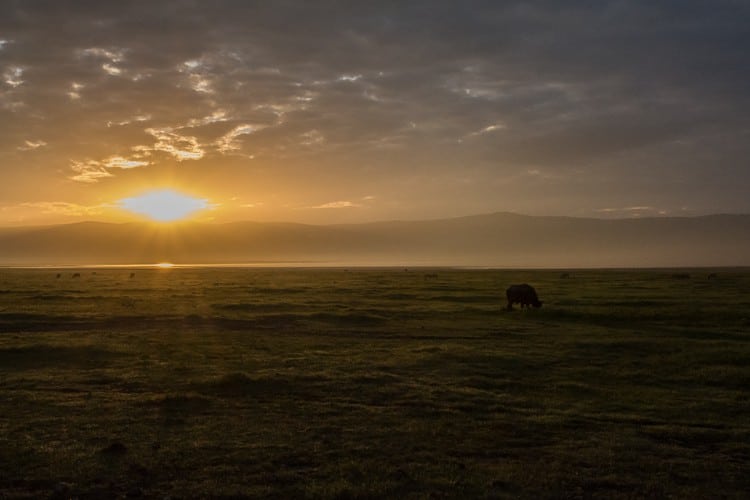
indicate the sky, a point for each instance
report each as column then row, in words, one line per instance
column 351, row 111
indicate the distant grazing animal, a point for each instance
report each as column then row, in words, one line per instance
column 565, row 275
column 712, row 276
column 522, row 294
column 132, row 275
column 58, row 275
column 76, row 275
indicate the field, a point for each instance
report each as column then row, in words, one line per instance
column 373, row 383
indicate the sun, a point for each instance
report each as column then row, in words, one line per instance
column 164, row 205
column 164, row 265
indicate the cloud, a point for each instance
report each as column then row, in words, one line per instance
column 311, row 138
column 343, row 204
column 111, row 70
column 74, row 92
column 91, row 171
column 635, row 211
column 128, row 121
column 65, row 208
column 169, row 140
column 349, row 78
column 12, row 76
column 31, row 145
column 88, row 171
column 228, row 142
column 216, row 116
column 198, row 76
column 123, row 163
column 338, row 204
column 486, row 130
column 111, row 57
column 182, row 147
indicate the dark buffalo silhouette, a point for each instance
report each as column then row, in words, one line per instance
column 522, row 294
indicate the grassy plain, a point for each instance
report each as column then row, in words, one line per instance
column 369, row 383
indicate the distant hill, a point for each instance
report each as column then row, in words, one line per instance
column 492, row 240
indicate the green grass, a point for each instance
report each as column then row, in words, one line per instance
column 373, row 384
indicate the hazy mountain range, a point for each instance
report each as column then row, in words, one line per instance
column 492, row 240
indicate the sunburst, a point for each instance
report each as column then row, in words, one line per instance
column 164, row 205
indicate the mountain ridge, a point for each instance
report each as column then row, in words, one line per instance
column 499, row 239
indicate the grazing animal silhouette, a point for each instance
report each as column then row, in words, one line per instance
column 132, row 275
column 522, row 294
column 565, row 275
column 58, row 275
column 76, row 275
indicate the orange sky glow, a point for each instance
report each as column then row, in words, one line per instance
column 286, row 112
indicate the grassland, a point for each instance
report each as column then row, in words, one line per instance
column 364, row 383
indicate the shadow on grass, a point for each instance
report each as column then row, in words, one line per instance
column 239, row 384
column 41, row 356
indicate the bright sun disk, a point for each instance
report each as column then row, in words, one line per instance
column 163, row 205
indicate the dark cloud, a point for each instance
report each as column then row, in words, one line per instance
column 430, row 103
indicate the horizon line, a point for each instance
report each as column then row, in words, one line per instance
column 160, row 266
column 170, row 224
